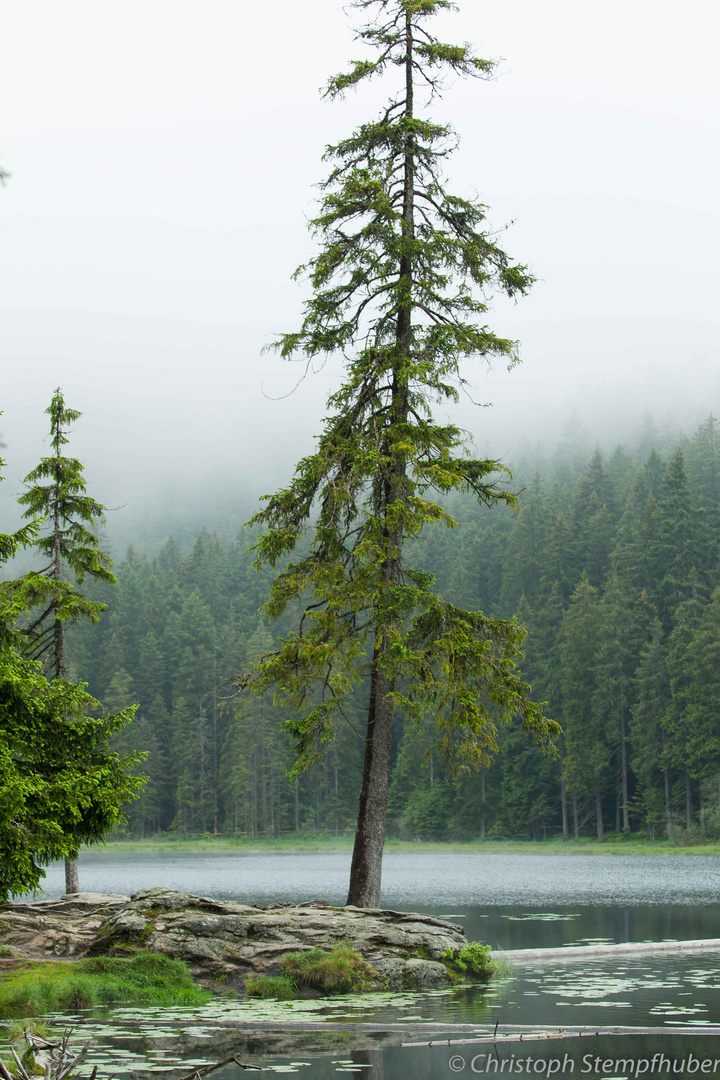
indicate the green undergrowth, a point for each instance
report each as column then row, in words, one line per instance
column 339, row 971
column 143, row 979
column 472, row 962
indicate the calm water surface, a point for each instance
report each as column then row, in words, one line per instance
column 509, row 900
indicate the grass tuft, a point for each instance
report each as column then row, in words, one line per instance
column 144, row 979
column 275, row 987
column 339, row 971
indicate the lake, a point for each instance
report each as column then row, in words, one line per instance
column 511, row 901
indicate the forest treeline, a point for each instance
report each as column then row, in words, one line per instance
column 612, row 566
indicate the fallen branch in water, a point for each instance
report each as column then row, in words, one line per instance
column 218, row 1065
column 56, row 1059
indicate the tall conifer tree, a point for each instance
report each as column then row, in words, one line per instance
column 651, row 693
column 400, row 289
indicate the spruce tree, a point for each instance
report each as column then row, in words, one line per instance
column 584, row 732
column 400, row 288
column 622, row 632
column 71, row 547
column 704, row 474
column 688, row 750
column 651, row 693
column 702, row 699
column 673, row 545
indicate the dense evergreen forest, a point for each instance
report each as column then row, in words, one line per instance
column 611, row 565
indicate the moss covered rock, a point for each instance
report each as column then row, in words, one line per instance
column 223, row 943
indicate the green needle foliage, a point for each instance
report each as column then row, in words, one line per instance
column 400, row 288
column 59, row 785
column 67, row 543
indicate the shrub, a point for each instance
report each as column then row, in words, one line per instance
column 471, row 961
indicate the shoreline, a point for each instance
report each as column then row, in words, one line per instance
column 220, row 845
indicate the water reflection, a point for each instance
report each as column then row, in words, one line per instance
column 365, row 1035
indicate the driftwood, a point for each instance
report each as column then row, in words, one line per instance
column 57, row 1059
column 218, row 1065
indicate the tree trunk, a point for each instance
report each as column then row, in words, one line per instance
column 366, row 868
column 667, row 804
column 624, row 769
column 598, row 814
column 483, row 821
column 72, row 881
column 688, row 801
column 563, row 803
column 576, row 823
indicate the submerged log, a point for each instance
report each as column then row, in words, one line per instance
column 523, row 1035
column 590, row 952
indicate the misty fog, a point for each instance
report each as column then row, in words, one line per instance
column 162, row 167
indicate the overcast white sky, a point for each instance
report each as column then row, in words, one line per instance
column 163, row 156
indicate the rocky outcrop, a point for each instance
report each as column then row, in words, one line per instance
column 56, row 929
column 223, row 942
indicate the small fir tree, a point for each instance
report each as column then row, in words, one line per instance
column 72, row 549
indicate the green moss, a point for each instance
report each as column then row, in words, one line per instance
column 472, row 962
column 278, row 987
column 143, row 979
column 7, row 950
